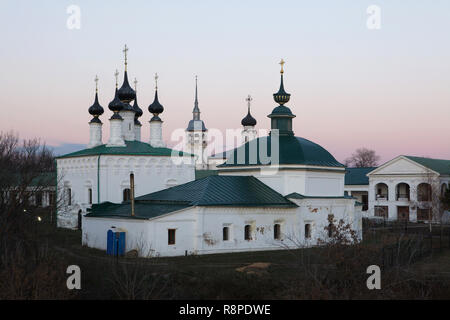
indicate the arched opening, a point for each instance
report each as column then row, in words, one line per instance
column 382, row 191
column 402, row 192
column 424, row 192
column 247, row 232
column 126, row 194
column 277, row 231
column 80, row 217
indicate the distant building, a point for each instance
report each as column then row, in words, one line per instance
column 357, row 184
column 408, row 188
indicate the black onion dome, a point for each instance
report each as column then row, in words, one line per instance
column 116, row 105
column 156, row 107
column 96, row 109
column 126, row 93
column 248, row 120
column 281, row 96
column 137, row 109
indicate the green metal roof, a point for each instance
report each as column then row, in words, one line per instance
column 200, row 174
column 439, row 165
column 357, row 176
column 292, row 150
column 238, row 191
column 142, row 210
column 131, row 148
column 295, row 195
column 222, row 191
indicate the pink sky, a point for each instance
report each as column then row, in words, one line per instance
column 386, row 90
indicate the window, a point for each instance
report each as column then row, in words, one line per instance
column 247, row 232
column 307, row 231
column 126, row 194
column 423, row 214
column 69, row 196
column 38, row 198
column 171, row 238
column 277, row 231
column 226, row 233
column 381, row 211
column 90, row 196
column 330, row 225
column 51, row 198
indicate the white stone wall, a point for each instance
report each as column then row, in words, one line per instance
column 128, row 132
column 95, row 134
column 199, row 230
column 301, row 179
column 151, row 174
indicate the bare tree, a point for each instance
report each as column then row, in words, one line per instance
column 362, row 157
column 27, row 267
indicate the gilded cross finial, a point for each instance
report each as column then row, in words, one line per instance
column 96, row 83
column 125, row 50
column 156, row 81
column 249, row 100
column 116, row 74
column 135, row 84
column 282, row 63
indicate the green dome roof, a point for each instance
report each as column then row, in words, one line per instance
column 293, row 150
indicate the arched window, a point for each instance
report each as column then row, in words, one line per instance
column 226, row 233
column 402, row 191
column 443, row 189
column 424, row 192
column 307, row 231
column 277, row 231
column 248, row 232
column 126, row 194
column 382, row 191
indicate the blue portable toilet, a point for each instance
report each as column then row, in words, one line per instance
column 115, row 245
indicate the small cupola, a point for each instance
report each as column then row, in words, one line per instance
column 96, row 109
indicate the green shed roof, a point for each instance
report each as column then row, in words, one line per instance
column 131, row 148
column 357, row 176
column 141, row 210
column 439, row 165
column 292, row 150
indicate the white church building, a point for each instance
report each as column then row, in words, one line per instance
column 101, row 172
column 272, row 192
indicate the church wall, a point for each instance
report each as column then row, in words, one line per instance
column 199, row 230
column 305, row 182
column 151, row 174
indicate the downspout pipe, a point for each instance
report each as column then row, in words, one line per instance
column 132, row 193
column 98, row 179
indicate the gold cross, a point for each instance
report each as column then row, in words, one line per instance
column 116, row 74
column 135, row 84
column 248, row 99
column 96, row 83
column 156, row 81
column 125, row 50
column 282, row 63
